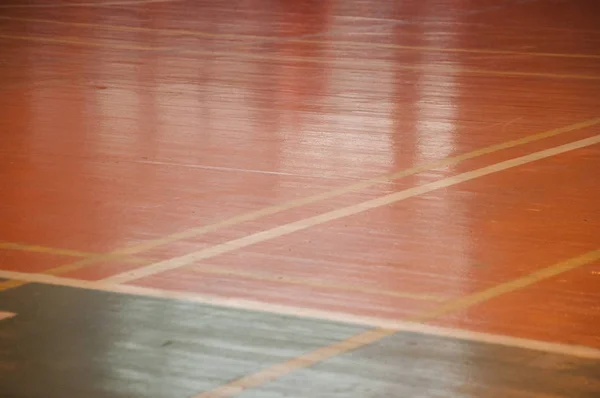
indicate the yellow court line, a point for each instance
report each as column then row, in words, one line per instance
column 268, row 211
column 286, row 229
column 507, row 287
column 303, row 361
column 347, row 62
column 86, row 257
column 187, row 32
column 11, row 284
column 366, row 338
column 247, row 275
column 309, row 282
column 308, row 313
column 43, row 249
column 66, row 252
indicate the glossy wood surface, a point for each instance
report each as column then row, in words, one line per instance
column 165, row 349
column 429, row 161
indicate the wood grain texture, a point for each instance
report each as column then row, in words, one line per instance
column 135, row 134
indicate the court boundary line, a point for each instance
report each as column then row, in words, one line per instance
column 339, row 191
column 342, row 212
column 395, row 325
column 33, row 248
column 123, row 253
column 306, row 282
column 368, row 337
column 297, row 203
column 358, row 186
column 329, row 287
column 23, row 247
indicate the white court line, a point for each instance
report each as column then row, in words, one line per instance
column 6, row 315
column 250, row 305
column 286, row 229
column 233, row 169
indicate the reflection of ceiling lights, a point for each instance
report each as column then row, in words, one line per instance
column 436, row 105
column 354, row 124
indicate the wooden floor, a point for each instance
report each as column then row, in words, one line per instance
column 347, row 198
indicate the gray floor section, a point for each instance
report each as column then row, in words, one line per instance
column 67, row 342
column 73, row 343
column 414, row 365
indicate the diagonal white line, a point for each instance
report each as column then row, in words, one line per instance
column 306, row 223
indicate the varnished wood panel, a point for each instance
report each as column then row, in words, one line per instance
column 226, row 150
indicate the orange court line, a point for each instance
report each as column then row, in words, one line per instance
column 10, row 284
column 187, row 32
column 355, row 187
column 204, row 269
column 5, row 285
column 258, row 214
column 43, row 249
column 64, row 252
column 371, row 336
column 370, row 65
column 342, row 212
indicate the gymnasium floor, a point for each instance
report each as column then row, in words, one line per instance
column 304, row 198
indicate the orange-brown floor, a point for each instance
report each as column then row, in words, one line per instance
column 389, row 166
